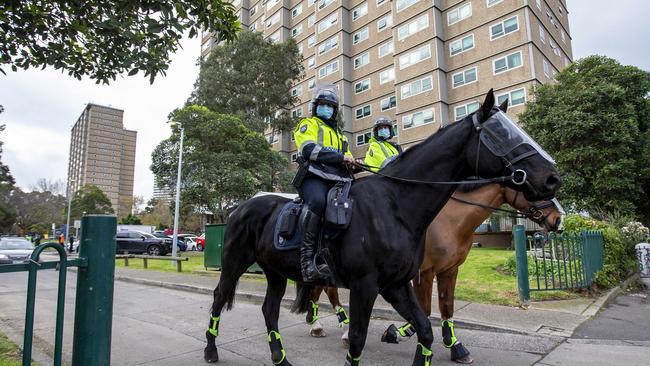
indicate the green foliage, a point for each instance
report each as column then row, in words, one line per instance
column 89, row 200
column 37, row 210
column 251, row 78
column 224, row 162
column 131, row 219
column 7, row 181
column 619, row 258
column 102, row 39
column 596, row 123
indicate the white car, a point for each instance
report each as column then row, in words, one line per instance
column 191, row 243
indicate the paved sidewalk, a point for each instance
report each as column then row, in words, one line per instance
column 558, row 318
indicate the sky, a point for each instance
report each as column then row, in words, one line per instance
column 41, row 106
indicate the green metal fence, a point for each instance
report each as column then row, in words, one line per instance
column 556, row 261
column 94, row 295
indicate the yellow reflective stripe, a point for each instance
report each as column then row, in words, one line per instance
column 354, row 358
column 427, row 354
column 215, row 323
column 454, row 340
column 278, row 337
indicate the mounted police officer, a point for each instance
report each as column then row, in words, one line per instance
column 381, row 151
column 324, row 157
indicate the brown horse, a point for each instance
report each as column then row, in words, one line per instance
column 448, row 241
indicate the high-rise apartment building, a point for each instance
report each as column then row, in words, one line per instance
column 163, row 193
column 421, row 63
column 102, row 153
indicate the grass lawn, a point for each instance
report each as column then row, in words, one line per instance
column 480, row 281
column 9, row 353
column 195, row 263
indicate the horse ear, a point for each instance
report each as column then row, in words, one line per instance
column 504, row 106
column 486, row 108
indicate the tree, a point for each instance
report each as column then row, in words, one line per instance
column 251, row 77
column 138, row 201
column 47, row 185
column 224, row 162
column 101, row 38
column 89, row 200
column 7, row 181
column 36, row 211
column 131, row 219
column 595, row 121
column 158, row 214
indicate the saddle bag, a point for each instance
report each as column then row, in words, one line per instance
column 338, row 213
column 289, row 221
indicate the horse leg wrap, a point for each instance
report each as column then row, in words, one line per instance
column 422, row 356
column 352, row 361
column 458, row 352
column 278, row 354
column 396, row 335
column 343, row 316
column 211, row 353
column 214, row 326
column 312, row 315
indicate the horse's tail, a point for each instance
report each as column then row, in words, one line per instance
column 301, row 303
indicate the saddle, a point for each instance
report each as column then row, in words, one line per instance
column 338, row 214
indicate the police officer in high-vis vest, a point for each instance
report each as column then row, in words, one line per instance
column 324, row 158
column 381, row 151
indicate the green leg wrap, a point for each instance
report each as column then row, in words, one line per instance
column 352, row 361
column 448, row 335
column 407, row 330
column 422, row 356
column 343, row 316
column 278, row 354
column 312, row 315
column 214, row 328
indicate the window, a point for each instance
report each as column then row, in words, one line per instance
column 418, row 118
column 542, row 34
column 275, row 37
column 362, row 112
column 328, row 22
column 328, row 69
column 328, row 45
column 272, row 137
column 566, row 61
column 310, row 20
column 413, row 27
column 380, row 2
column 492, row 2
column 294, row 157
column 311, row 62
column 417, row 87
column 515, row 97
column 506, row 63
column 386, row 76
column 297, row 91
column 563, row 36
column 503, row 28
column 360, row 11
column 323, row 3
column 463, row 110
column 311, row 2
column 560, row 10
column 464, row 77
column 272, row 20
column 296, row 113
column 311, row 84
column 271, row 3
column 363, row 138
column 253, row 27
column 362, row 86
column 360, row 36
column 539, row 4
column 296, row 11
column 554, row 47
column 384, row 23
column 388, row 103
column 300, row 48
column 253, row 11
column 362, row 60
column 461, row 45
column 403, row 4
column 311, row 40
column 545, row 64
column 386, row 48
column 296, row 30
column 460, row 13
column 414, row 57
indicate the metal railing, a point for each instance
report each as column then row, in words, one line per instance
column 556, row 261
column 94, row 293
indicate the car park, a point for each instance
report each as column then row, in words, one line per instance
column 180, row 244
column 15, row 250
column 200, row 243
column 140, row 242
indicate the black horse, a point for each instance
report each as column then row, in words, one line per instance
column 383, row 248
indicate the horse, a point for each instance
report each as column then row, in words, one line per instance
column 448, row 241
column 383, row 247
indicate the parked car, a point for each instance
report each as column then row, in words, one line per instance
column 15, row 250
column 179, row 243
column 186, row 237
column 200, row 243
column 191, row 243
column 140, row 242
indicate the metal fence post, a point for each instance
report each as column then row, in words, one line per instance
column 522, row 264
column 94, row 301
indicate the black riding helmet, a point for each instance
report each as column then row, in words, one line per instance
column 325, row 95
column 381, row 122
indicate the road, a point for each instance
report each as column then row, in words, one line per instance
column 158, row 326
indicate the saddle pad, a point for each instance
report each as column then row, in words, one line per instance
column 279, row 242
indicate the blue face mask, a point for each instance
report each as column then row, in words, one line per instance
column 384, row 133
column 324, row 111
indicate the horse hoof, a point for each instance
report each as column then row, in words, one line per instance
column 345, row 339
column 317, row 333
column 464, row 360
column 460, row 354
column 211, row 355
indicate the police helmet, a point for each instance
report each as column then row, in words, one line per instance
column 325, row 94
column 381, row 122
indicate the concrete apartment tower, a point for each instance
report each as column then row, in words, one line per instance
column 422, row 63
column 102, row 153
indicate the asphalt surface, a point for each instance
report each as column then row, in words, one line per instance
column 160, row 326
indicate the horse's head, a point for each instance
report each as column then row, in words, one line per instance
column 501, row 147
column 547, row 214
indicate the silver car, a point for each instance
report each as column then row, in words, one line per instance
column 15, row 250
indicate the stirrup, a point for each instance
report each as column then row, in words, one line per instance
column 323, row 269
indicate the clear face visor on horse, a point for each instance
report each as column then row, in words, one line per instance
column 501, row 136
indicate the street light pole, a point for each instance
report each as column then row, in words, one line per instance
column 178, row 195
column 67, row 221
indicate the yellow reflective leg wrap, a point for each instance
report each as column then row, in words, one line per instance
column 406, row 330
column 426, row 353
column 275, row 336
column 448, row 333
column 314, row 312
column 214, row 329
column 343, row 317
column 355, row 359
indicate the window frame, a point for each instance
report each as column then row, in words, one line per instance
column 509, row 94
column 388, row 70
column 457, row 9
column 508, row 68
column 415, row 51
column 328, row 21
column 463, row 73
column 408, row 3
column 392, row 48
column 461, row 44
column 363, row 112
column 368, row 85
column 412, row 115
column 488, row 5
column 358, row 8
column 298, row 13
column 467, row 112
column 389, row 22
column 503, row 28
column 360, row 31
column 381, row 102
column 332, row 69
column 407, row 26
column 412, row 83
column 360, row 57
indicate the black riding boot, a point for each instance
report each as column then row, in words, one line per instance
column 310, row 225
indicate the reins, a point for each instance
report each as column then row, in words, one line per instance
column 513, row 213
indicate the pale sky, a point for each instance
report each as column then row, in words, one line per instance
column 41, row 106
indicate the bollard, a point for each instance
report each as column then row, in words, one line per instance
column 94, row 302
column 522, row 264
